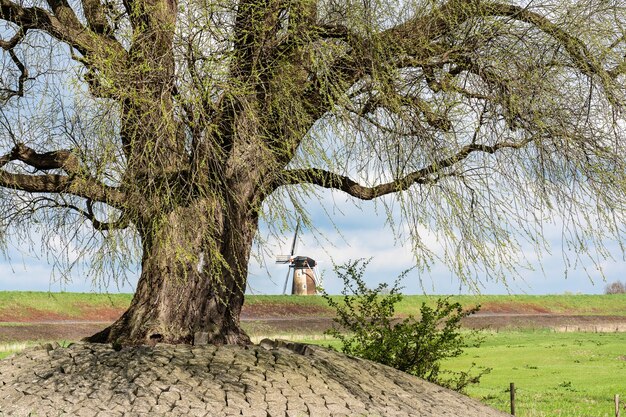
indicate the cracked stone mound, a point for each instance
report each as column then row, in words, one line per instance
column 271, row 379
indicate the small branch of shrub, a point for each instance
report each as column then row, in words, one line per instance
column 366, row 327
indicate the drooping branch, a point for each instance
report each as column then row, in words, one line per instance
column 429, row 174
column 416, row 37
column 46, row 202
column 577, row 50
column 77, row 181
column 435, row 119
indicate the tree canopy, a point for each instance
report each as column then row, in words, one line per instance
column 177, row 125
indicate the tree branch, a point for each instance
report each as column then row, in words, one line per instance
column 48, row 202
column 8, row 46
column 62, row 25
column 78, row 182
column 121, row 223
column 430, row 174
column 64, row 13
column 96, row 19
column 416, row 36
column 7, row 93
column 62, row 159
column 38, row 18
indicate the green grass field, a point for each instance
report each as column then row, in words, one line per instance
column 576, row 304
column 75, row 304
column 66, row 304
column 555, row 374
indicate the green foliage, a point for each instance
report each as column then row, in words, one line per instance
column 414, row 346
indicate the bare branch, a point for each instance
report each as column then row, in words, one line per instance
column 48, row 202
column 8, row 46
column 37, row 18
column 121, row 223
column 11, row 43
column 430, row 174
column 7, row 93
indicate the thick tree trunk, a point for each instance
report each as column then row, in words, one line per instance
column 192, row 282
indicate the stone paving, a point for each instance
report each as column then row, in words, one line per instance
column 271, row 379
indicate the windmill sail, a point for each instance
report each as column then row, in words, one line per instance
column 303, row 267
column 285, row 259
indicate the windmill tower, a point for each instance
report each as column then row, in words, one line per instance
column 304, row 281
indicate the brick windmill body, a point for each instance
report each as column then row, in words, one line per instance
column 304, row 279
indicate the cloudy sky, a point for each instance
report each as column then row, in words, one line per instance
column 363, row 234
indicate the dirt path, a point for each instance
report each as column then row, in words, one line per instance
column 302, row 325
column 274, row 319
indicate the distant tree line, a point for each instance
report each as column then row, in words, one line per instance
column 615, row 287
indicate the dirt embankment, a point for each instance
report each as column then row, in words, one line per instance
column 273, row 318
column 512, row 308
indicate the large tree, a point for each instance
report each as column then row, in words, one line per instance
column 183, row 123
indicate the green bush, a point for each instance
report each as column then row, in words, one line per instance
column 366, row 327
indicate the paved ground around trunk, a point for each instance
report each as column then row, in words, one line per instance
column 270, row 379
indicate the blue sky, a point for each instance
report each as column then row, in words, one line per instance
column 363, row 235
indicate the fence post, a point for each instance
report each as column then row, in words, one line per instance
column 616, row 405
column 512, row 390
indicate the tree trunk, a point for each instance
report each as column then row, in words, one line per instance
column 193, row 278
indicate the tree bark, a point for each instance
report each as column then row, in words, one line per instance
column 193, row 279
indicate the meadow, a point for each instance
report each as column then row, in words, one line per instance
column 77, row 305
column 555, row 374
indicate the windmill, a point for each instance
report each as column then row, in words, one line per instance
column 304, row 280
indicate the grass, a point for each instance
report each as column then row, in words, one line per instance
column 605, row 305
column 72, row 305
column 555, row 374
column 66, row 304
column 577, row 304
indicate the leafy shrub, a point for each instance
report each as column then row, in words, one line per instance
column 366, row 327
column 615, row 288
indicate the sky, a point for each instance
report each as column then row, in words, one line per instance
column 363, row 234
